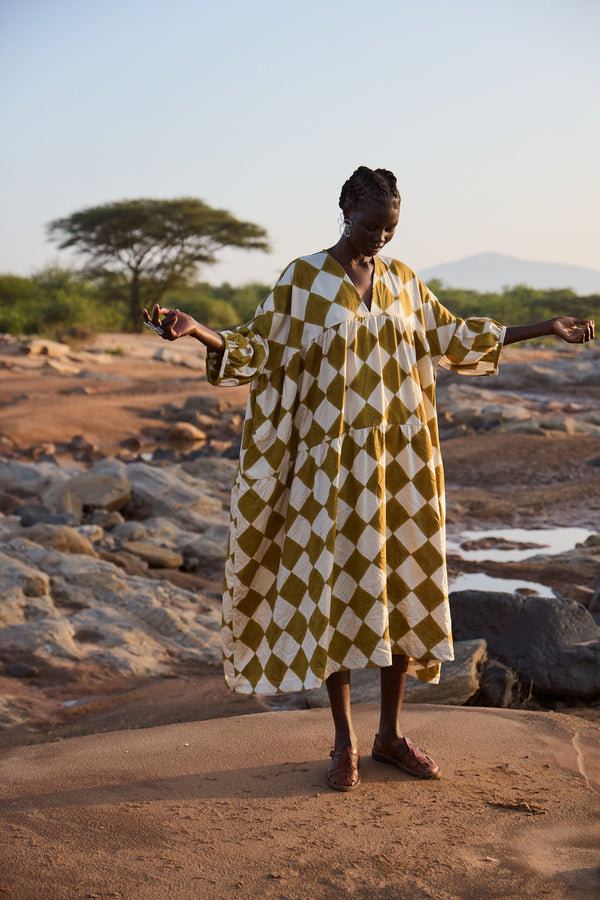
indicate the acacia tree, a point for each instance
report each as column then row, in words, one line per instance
column 153, row 245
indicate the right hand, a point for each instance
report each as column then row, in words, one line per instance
column 175, row 324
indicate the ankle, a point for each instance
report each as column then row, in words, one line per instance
column 345, row 739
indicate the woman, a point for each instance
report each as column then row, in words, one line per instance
column 336, row 556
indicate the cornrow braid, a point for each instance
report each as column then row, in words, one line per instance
column 372, row 184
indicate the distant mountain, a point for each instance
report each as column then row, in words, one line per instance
column 494, row 271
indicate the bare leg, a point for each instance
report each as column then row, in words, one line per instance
column 393, row 679
column 338, row 688
column 389, row 747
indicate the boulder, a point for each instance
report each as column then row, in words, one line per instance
column 101, row 490
column 59, row 537
column 81, row 609
column 553, row 644
column 160, row 490
column 31, row 478
column 499, row 685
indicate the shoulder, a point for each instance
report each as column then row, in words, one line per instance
column 313, row 262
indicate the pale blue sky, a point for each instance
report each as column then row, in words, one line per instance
column 486, row 111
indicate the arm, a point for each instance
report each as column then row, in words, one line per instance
column 572, row 330
column 176, row 324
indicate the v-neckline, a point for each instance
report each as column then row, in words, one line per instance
column 347, row 277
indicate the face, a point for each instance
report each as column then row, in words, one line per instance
column 373, row 225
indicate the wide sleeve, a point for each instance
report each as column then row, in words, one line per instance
column 255, row 348
column 245, row 354
column 468, row 346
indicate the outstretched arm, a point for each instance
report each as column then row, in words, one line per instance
column 568, row 328
column 176, row 324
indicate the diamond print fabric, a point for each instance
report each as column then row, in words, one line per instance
column 336, row 554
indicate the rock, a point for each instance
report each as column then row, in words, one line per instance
column 594, row 603
column 45, row 449
column 207, row 551
column 22, row 670
column 526, row 428
column 159, row 490
column 31, row 478
column 59, row 537
column 62, row 366
column 106, row 519
column 93, row 611
column 498, row 685
column 186, row 433
column 35, row 514
column 44, row 347
column 164, row 354
column 459, row 681
column 552, row 644
column 205, row 404
column 129, row 531
column 218, row 471
column 131, row 564
column 101, row 490
column 79, row 443
column 156, row 557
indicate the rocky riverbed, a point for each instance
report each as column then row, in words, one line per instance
column 117, row 459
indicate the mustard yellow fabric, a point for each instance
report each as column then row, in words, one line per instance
column 336, row 555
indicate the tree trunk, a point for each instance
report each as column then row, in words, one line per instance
column 135, row 309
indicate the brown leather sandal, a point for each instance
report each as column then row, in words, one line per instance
column 405, row 755
column 342, row 774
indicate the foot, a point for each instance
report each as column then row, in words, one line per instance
column 342, row 774
column 405, row 755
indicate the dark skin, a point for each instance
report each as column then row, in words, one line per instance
column 373, row 224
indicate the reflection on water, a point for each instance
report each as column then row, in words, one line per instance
column 552, row 540
column 479, row 581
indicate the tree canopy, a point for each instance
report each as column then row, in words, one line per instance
column 153, row 245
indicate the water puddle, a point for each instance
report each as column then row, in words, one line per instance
column 503, row 545
column 548, row 541
column 479, row 581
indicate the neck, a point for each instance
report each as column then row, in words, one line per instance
column 345, row 254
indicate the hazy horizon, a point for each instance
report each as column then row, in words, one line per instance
column 485, row 112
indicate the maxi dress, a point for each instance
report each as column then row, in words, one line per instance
column 336, row 555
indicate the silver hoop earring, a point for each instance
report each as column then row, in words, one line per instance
column 345, row 225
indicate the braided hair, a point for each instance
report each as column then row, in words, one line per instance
column 371, row 184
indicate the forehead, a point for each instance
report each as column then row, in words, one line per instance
column 378, row 211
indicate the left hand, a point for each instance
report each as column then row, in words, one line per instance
column 572, row 330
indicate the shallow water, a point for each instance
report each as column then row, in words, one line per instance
column 479, row 581
column 552, row 541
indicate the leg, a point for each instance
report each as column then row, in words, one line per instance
column 393, row 679
column 342, row 774
column 389, row 747
column 338, row 688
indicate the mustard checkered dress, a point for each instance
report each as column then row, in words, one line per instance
column 336, row 555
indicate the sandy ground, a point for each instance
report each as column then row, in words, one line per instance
column 238, row 807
